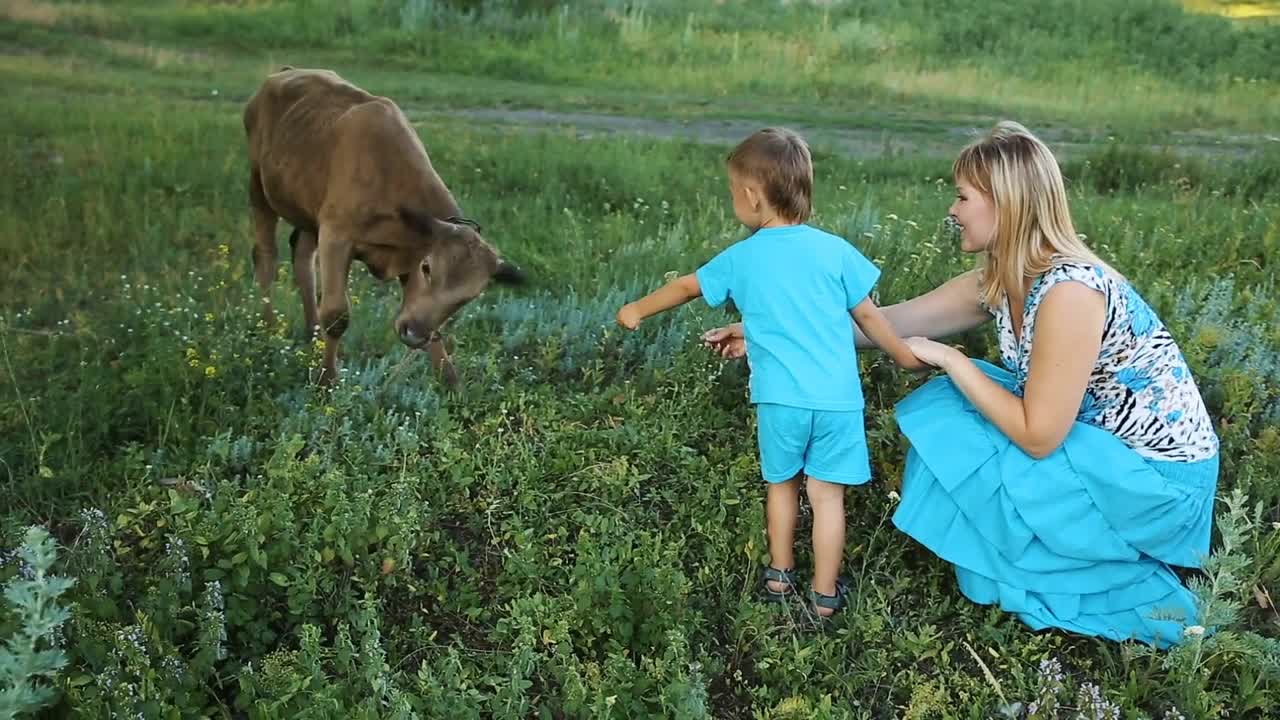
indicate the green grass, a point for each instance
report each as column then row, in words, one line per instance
column 1139, row 68
column 576, row 534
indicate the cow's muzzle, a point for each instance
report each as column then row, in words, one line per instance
column 415, row 339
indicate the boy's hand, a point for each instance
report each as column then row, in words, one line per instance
column 912, row 364
column 677, row 292
column 629, row 317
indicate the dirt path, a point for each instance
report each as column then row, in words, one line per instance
column 905, row 131
column 853, row 142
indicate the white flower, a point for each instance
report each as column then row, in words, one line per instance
column 1193, row 631
column 894, row 496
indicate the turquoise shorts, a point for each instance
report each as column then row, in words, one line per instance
column 828, row 445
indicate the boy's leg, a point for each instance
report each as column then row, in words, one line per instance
column 827, row 500
column 783, row 434
column 782, row 506
column 837, row 458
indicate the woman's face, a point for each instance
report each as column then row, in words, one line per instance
column 976, row 214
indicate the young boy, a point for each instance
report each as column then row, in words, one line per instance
column 796, row 287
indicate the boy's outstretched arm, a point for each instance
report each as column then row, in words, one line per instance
column 877, row 328
column 677, row 292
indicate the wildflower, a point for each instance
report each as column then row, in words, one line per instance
column 894, row 496
column 173, row 666
column 94, row 520
column 1193, row 631
column 1051, row 671
column 213, row 594
column 107, row 678
column 210, row 371
column 1090, row 698
column 214, row 616
column 132, row 638
column 177, row 552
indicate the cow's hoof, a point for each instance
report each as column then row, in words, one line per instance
column 328, row 377
column 450, row 377
column 266, row 321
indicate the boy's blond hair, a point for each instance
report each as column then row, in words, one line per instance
column 779, row 160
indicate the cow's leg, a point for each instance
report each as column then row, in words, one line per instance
column 303, row 245
column 440, row 361
column 335, row 309
column 264, row 243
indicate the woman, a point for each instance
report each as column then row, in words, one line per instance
column 1063, row 486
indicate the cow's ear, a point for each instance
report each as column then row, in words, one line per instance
column 422, row 223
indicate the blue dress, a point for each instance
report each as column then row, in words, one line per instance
column 1083, row 539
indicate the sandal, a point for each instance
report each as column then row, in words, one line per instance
column 835, row 603
column 786, row 577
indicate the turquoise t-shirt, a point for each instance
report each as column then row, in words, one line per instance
column 795, row 286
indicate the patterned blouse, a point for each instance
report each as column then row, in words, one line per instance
column 1141, row 389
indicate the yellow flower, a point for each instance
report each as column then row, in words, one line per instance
column 224, row 249
column 208, row 317
column 210, row 371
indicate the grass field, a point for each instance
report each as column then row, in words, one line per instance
column 577, row 533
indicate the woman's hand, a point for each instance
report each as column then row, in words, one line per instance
column 933, row 352
column 726, row 341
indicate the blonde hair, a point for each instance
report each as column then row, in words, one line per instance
column 1033, row 223
column 779, row 160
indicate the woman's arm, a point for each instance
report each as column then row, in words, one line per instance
column 1068, row 338
column 947, row 310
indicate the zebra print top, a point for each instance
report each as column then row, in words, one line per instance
column 1141, row 389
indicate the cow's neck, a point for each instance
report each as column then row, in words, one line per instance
column 439, row 201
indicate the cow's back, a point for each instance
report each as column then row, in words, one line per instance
column 291, row 123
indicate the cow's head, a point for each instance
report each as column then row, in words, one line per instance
column 454, row 265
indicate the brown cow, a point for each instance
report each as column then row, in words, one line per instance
column 348, row 172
